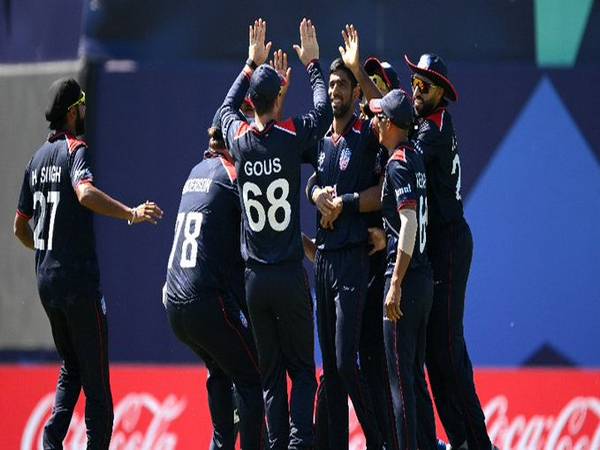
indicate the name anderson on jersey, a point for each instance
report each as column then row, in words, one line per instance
column 197, row 185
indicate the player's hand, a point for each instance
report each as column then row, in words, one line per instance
column 257, row 50
column 377, row 239
column 323, row 199
column 392, row 303
column 331, row 216
column 280, row 64
column 146, row 212
column 309, row 47
column 349, row 52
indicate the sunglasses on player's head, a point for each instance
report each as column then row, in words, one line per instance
column 80, row 101
column 423, row 85
column 382, row 117
column 380, row 83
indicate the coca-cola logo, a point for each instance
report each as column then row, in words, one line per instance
column 141, row 423
column 575, row 427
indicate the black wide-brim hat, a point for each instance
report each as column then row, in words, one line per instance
column 433, row 68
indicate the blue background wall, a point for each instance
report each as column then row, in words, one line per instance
column 529, row 140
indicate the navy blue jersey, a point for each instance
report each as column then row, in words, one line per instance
column 268, row 166
column 436, row 140
column 351, row 163
column 63, row 235
column 206, row 247
column 405, row 186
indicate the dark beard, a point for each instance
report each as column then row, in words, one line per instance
column 426, row 109
column 79, row 125
column 342, row 111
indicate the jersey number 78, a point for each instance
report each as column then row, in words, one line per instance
column 191, row 223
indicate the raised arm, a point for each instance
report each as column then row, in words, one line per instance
column 280, row 64
column 258, row 52
column 312, row 126
column 351, row 56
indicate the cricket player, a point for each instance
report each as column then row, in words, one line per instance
column 267, row 157
column 408, row 276
column 59, row 195
column 205, row 300
column 450, row 249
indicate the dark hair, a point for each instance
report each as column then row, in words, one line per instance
column 261, row 104
column 58, row 124
column 215, row 140
column 338, row 64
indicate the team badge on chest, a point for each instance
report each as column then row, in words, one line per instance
column 345, row 158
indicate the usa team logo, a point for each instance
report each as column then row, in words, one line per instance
column 345, row 158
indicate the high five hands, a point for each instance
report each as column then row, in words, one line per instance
column 280, row 64
column 309, row 47
column 349, row 53
column 258, row 50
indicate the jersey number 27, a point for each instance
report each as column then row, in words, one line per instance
column 40, row 201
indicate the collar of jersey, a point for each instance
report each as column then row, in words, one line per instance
column 349, row 126
column 403, row 145
column 223, row 153
column 269, row 125
column 60, row 134
column 435, row 112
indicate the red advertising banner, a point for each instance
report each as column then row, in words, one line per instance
column 165, row 407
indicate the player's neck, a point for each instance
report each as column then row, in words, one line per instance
column 340, row 124
column 394, row 140
column 262, row 121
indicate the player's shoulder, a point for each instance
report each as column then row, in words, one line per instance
column 360, row 125
column 243, row 129
column 405, row 152
column 72, row 142
column 438, row 124
column 404, row 156
column 217, row 166
column 288, row 126
column 227, row 169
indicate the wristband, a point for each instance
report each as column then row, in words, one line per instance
column 311, row 62
column 250, row 63
column 351, row 201
column 312, row 193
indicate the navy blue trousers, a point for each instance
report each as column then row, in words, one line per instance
column 281, row 313
column 405, row 342
column 448, row 364
column 342, row 279
column 214, row 327
column 371, row 358
column 80, row 332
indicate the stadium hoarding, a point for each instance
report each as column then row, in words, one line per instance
column 165, row 407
